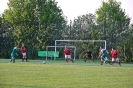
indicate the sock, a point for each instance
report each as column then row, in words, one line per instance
column 101, row 62
column 72, row 60
column 66, row 61
column 26, row 59
column 85, row 59
column 11, row 60
column 93, row 59
column 22, row 59
column 112, row 62
column 119, row 63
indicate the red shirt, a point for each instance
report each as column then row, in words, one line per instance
column 67, row 52
column 23, row 49
column 114, row 53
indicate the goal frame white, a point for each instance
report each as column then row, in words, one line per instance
column 60, row 46
column 78, row 41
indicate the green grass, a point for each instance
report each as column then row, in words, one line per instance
column 57, row 74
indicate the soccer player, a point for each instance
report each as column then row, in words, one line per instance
column 13, row 54
column 103, row 55
column 67, row 54
column 23, row 51
column 87, row 55
column 114, row 54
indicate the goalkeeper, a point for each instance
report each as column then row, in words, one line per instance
column 88, row 55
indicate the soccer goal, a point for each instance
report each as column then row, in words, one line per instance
column 59, row 47
column 77, row 41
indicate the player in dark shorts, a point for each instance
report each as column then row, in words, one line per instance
column 88, row 55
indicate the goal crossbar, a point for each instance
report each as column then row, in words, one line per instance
column 78, row 41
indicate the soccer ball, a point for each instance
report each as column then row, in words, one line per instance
column 44, row 62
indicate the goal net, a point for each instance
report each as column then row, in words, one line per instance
column 81, row 46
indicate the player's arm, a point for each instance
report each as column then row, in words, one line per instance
column 100, row 54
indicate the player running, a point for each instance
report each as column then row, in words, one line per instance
column 13, row 54
column 103, row 55
column 88, row 55
column 23, row 51
column 67, row 54
column 114, row 54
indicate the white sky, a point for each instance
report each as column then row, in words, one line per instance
column 74, row 8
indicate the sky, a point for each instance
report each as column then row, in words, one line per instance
column 74, row 8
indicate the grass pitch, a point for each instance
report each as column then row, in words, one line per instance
column 58, row 74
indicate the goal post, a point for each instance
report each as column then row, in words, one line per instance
column 104, row 41
column 60, row 46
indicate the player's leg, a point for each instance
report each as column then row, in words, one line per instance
column 113, row 59
column 69, row 56
column 86, row 58
column 107, row 61
column 66, row 58
column 117, row 59
column 92, row 58
column 101, row 61
column 23, row 57
column 14, row 60
column 12, row 57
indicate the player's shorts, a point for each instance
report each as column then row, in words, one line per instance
column 12, row 56
column 115, row 59
column 88, row 57
column 67, row 56
column 24, row 54
column 105, row 59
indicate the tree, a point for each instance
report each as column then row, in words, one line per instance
column 37, row 23
column 6, row 38
column 84, row 28
column 114, row 21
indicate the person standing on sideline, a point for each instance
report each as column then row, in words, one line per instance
column 23, row 51
column 103, row 55
column 14, row 54
column 114, row 54
column 67, row 54
column 88, row 55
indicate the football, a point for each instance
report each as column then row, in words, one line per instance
column 44, row 62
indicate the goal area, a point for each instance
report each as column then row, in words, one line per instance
column 74, row 54
column 80, row 45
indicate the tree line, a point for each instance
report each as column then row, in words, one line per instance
column 38, row 23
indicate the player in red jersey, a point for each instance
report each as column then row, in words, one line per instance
column 114, row 54
column 23, row 51
column 67, row 54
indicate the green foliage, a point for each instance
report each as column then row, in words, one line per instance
column 84, row 27
column 38, row 23
column 6, row 38
column 35, row 23
column 114, row 20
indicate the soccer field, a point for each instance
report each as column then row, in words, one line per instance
column 58, row 74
